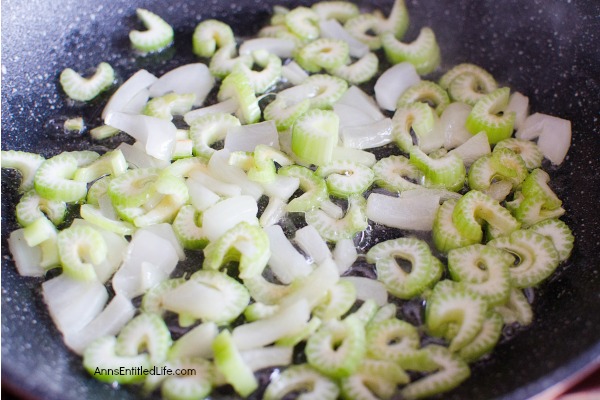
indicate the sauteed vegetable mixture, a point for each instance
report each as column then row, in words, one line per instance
column 260, row 158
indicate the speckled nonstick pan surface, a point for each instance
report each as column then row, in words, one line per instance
column 546, row 49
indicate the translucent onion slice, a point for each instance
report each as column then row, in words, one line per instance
column 127, row 91
column 286, row 262
column 247, row 137
column 393, row 82
column 368, row 136
column 282, row 48
column 332, row 29
column 412, row 213
column 191, row 78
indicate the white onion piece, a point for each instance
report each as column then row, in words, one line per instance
column 247, row 137
column 137, row 103
column 166, row 232
column 311, row 242
column 393, row 82
column 294, row 73
column 355, row 97
column 216, row 186
column 367, row 288
column 151, row 275
column 284, row 322
column 197, row 300
column 518, row 103
column 351, row 116
column 375, row 134
column 282, row 48
column 155, row 134
column 273, row 212
column 314, row 287
column 331, row 28
column 286, row 262
column 197, row 342
column 432, row 140
column 106, row 207
column 219, row 168
column 73, row 304
column 474, row 148
column 27, row 259
column 282, row 187
column 499, row 190
column 115, row 315
column 127, row 91
column 145, row 246
column 137, row 158
column 228, row 106
column 357, row 155
column 452, row 123
column 411, row 213
column 532, row 126
column 191, row 78
column 201, row 197
column 332, row 209
column 266, row 357
column 344, row 254
column 227, row 213
column 555, row 139
column 427, row 192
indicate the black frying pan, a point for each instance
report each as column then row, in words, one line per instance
column 547, row 49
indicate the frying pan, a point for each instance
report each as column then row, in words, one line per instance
column 546, row 49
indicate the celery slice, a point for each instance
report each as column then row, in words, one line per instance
column 425, row 92
column 230, row 363
column 85, row 89
column 560, row 234
column 314, row 135
column 210, row 35
column 423, row 52
column 103, row 363
column 148, row 332
column 485, row 116
column 158, row 36
column 304, row 378
column 333, row 229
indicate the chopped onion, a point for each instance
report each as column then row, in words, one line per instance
column 228, row 106
column 520, row 105
column 314, row 287
column 368, row 136
column 423, row 191
column 197, row 342
column 286, row 262
column 311, row 242
column 432, row 140
column 351, row 116
column 266, row 357
column 356, row 155
column 127, row 91
column 367, row 288
column 218, row 187
column 393, row 82
column 555, row 139
column 356, row 98
column 499, row 190
column 227, row 213
column 452, row 122
column 219, row 168
column 166, row 232
column 27, row 259
column 474, row 148
column 137, row 158
column 201, row 197
column 294, row 73
column 282, row 48
column 282, row 187
column 411, row 213
column 137, row 103
column 247, row 137
column 344, row 254
column 191, row 78
column 533, row 126
column 331, row 28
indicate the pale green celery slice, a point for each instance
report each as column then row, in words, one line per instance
column 100, row 356
column 80, row 248
column 313, row 186
column 285, row 112
column 502, row 164
column 314, row 135
column 75, row 124
column 225, row 59
column 366, row 312
column 32, row 206
column 531, row 210
column 425, row 92
column 303, row 22
column 146, row 331
column 53, row 179
column 229, row 362
column 536, row 253
column 338, row 10
column 517, row 309
column 416, row 116
column 423, row 52
column 446, row 235
column 394, row 340
column 210, row 35
column 529, row 151
column 158, row 36
column 345, row 178
column 485, row 341
column 385, row 312
column 196, row 385
column 24, row 162
column 173, row 194
column 473, row 209
column 393, row 173
column 39, row 231
column 302, row 335
column 482, row 269
column 536, row 184
column 263, row 167
column 111, row 163
column 448, row 172
column 487, row 116
column 257, row 311
column 560, row 234
column 188, row 228
column 361, row 25
column 450, row 371
column 455, row 313
column 329, row 89
column 374, row 379
column 103, row 132
column 360, row 71
column 472, row 83
column 333, row 229
column 133, row 188
column 340, row 299
column 337, row 348
column 209, row 129
column 302, row 378
column 152, row 300
column 170, row 104
column 400, row 283
column 246, row 243
column 270, row 74
column 85, row 89
column 94, row 215
column 323, row 53
column 237, row 86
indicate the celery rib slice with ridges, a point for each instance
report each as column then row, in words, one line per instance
column 374, row 379
column 485, row 341
column 80, row 248
column 285, row 112
column 159, row 33
column 502, row 164
column 394, row 340
column 485, row 116
column 237, row 86
column 400, row 283
column 323, row 53
column 210, row 35
column 537, row 256
column 529, row 151
column 332, row 229
column 195, row 385
column 53, row 179
column 26, row 163
column 226, row 59
column 152, row 300
column 188, row 228
column 416, row 116
column 303, row 378
column 345, row 178
column 467, row 83
column 303, row 22
column 395, row 174
column 448, row 172
column 560, row 234
column 85, row 89
column 425, row 92
column 32, row 206
column 148, row 332
column 361, row 26
column 230, row 363
column 423, row 52
column 314, row 135
column 341, row 11
column 210, row 129
column 133, row 188
column 269, row 75
column 360, row 71
column 170, row 104
column 329, row 90
column 340, row 299
column 102, row 362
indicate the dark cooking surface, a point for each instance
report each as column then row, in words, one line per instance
column 546, row 49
